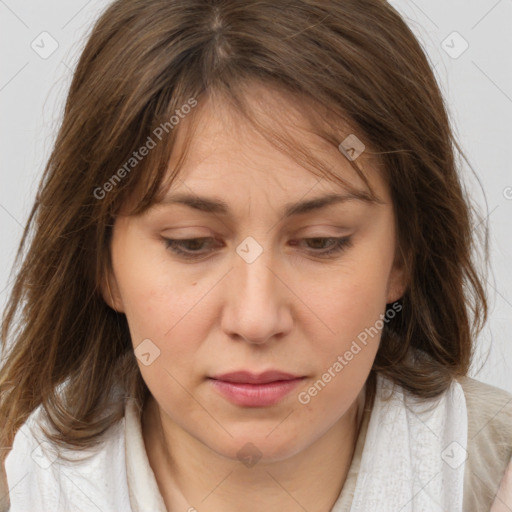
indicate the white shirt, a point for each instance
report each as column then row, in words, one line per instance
column 117, row 476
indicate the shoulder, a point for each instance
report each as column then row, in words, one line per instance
column 489, row 411
column 43, row 476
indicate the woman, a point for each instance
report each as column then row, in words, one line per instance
column 251, row 284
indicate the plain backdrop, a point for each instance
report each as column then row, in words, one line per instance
column 469, row 43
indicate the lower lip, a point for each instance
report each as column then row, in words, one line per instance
column 256, row 395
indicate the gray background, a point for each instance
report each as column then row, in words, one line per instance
column 476, row 82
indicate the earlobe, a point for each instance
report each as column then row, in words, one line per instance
column 110, row 291
column 397, row 282
column 396, row 286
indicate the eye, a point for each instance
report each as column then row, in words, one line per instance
column 188, row 247
column 194, row 248
column 327, row 246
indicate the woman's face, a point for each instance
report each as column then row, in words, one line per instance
column 263, row 286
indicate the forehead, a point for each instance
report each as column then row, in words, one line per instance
column 227, row 155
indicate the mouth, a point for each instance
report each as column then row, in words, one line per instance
column 248, row 389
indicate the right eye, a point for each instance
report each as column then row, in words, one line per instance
column 189, row 248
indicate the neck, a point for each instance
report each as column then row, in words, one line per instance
column 191, row 476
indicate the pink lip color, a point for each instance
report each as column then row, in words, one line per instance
column 249, row 390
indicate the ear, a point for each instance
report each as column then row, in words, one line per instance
column 397, row 282
column 110, row 289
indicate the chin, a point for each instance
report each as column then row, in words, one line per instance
column 255, row 445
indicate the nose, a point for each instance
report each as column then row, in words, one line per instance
column 258, row 302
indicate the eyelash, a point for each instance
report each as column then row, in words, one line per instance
column 176, row 246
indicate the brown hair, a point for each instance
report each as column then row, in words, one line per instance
column 354, row 61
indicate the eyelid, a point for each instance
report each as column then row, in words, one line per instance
column 340, row 243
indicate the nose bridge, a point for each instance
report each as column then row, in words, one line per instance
column 256, row 309
column 255, row 283
column 255, row 279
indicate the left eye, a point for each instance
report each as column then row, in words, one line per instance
column 192, row 247
column 334, row 245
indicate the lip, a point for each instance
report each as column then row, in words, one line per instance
column 255, row 390
column 246, row 377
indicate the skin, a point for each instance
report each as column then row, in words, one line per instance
column 291, row 309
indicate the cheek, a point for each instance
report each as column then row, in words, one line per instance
column 160, row 303
column 352, row 296
column 351, row 301
column 167, row 310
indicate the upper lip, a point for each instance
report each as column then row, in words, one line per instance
column 245, row 377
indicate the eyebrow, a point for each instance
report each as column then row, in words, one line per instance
column 217, row 206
